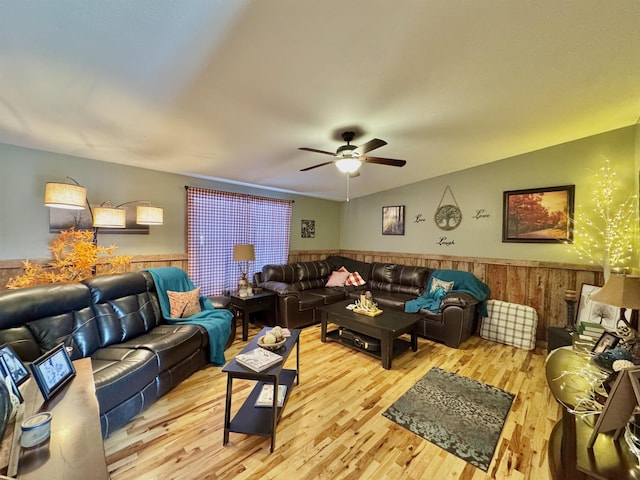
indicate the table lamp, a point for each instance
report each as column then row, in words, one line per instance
column 243, row 253
column 622, row 291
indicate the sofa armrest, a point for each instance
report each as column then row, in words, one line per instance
column 282, row 289
column 458, row 299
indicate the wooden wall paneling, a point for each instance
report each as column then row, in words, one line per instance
column 560, row 281
column 516, row 286
column 537, row 290
column 497, row 281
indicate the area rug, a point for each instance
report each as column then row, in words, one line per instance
column 461, row 415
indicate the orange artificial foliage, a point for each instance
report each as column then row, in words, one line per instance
column 75, row 257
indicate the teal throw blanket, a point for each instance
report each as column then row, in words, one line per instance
column 462, row 282
column 217, row 322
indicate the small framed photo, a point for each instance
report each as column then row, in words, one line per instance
column 538, row 215
column 393, row 220
column 52, row 371
column 18, row 371
column 607, row 341
column 5, row 372
column 308, row 229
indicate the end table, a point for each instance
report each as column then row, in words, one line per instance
column 265, row 301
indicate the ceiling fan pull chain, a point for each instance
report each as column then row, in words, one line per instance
column 348, row 186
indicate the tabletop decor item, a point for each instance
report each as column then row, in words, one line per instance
column 366, row 306
column 273, row 339
column 258, row 359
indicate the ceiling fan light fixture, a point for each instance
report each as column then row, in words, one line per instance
column 348, row 165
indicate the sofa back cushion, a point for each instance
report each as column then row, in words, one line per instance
column 311, row 274
column 35, row 319
column 406, row 279
column 280, row 273
column 337, row 261
column 123, row 305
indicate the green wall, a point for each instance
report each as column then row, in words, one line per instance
column 479, row 193
column 24, row 220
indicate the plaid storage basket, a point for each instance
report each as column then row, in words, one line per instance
column 510, row 323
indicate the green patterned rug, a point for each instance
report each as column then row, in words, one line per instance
column 461, row 415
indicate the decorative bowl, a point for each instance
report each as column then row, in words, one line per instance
column 271, row 346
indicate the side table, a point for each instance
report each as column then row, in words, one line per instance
column 265, row 301
column 568, row 451
column 250, row 419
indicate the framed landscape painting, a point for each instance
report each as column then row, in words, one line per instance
column 393, row 220
column 538, row 215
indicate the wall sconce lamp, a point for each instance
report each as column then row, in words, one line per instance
column 74, row 196
column 243, row 253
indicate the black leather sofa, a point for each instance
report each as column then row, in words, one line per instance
column 301, row 287
column 116, row 320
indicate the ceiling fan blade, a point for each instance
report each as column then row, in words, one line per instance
column 370, row 145
column 306, row 149
column 385, row 161
column 316, row 166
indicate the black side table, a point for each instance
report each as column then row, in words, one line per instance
column 264, row 301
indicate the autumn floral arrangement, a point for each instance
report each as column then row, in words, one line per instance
column 76, row 256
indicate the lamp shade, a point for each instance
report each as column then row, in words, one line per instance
column 65, row 195
column 147, row 215
column 348, row 165
column 621, row 291
column 107, row 217
column 244, row 253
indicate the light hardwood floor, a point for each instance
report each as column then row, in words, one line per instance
column 332, row 426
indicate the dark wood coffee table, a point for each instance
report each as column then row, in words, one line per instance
column 386, row 327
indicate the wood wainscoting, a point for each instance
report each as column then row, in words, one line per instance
column 13, row 268
column 541, row 285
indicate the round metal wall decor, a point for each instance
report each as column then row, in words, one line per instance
column 448, row 217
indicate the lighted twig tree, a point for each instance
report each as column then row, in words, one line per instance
column 607, row 234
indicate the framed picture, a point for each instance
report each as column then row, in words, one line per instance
column 606, row 342
column 538, row 215
column 308, row 229
column 4, row 373
column 393, row 220
column 52, row 371
column 18, row 371
column 590, row 311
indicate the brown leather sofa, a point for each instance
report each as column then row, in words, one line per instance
column 301, row 287
column 116, row 320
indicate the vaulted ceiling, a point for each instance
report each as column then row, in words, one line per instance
column 229, row 90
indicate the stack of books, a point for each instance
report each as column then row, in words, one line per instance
column 591, row 329
column 265, row 399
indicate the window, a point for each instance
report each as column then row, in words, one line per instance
column 217, row 220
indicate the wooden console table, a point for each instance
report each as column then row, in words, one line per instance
column 75, row 450
column 569, row 455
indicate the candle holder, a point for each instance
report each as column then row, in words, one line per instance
column 571, row 297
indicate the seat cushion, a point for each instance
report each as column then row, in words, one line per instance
column 329, row 295
column 170, row 343
column 120, row 373
column 510, row 323
column 308, row 300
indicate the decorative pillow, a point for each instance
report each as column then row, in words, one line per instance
column 337, row 279
column 343, row 269
column 437, row 283
column 355, row 279
column 184, row 304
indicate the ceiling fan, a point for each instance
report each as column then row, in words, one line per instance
column 348, row 158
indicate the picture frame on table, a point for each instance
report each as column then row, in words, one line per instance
column 538, row 215
column 52, row 371
column 18, row 371
column 607, row 341
column 393, row 220
column 5, row 372
column 590, row 311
